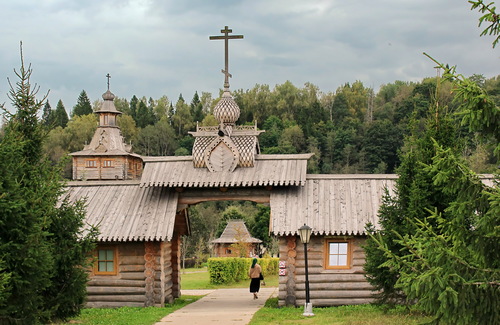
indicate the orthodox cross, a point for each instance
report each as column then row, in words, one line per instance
column 108, row 76
column 226, row 37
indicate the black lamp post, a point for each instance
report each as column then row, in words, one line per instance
column 305, row 236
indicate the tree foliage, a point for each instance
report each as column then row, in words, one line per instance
column 83, row 106
column 446, row 256
column 35, row 229
column 60, row 115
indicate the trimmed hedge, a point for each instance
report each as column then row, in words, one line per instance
column 223, row 270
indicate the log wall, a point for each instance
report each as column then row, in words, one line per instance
column 327, row 287
column 127, row 288
column 122, row 167
column 144, row 277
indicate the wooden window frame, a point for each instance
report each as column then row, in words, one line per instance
column 114, row 248
column 327, row 253
column 106, row 161
column 89, row 165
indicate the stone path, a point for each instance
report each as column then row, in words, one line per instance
column 220, row 307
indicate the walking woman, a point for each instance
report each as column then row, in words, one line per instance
column 255, row 274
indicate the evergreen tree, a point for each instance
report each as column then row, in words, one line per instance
column 83, row 105
column 133, row 107
column 47, row 115
column 415, row 196
column 43, row 250
column 446, row 258
column 60, row 115
column 142, row 115
column 197, row 108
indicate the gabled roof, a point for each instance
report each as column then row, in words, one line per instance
column 125, row 212
column 269, row 170
column 107, row 141
column 334, row 204
column 235, row 231
column 330, row 204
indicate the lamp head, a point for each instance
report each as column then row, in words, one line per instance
column 305, row 234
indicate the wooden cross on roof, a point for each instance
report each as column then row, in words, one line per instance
column 108, row 76
column 226, row 37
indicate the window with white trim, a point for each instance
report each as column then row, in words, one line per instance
column 338, row 254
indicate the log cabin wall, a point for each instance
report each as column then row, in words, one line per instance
column 127, row 287
column 327, row 287
column 134, row 167
column 176, row 263
column 143, row 278
column 102, row 168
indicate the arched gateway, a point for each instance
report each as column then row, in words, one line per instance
column 141, row 213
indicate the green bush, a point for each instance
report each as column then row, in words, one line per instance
column 224, row 270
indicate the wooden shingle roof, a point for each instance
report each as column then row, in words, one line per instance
column 330, row 204
column 334, row 204
column 123, row 211
column 269, row 170
column 236, row 231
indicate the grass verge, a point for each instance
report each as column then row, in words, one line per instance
column 129, row 315
column 342, row 315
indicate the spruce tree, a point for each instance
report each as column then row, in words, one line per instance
column 47, row 115
column 60, row 115
column 83, row 105
column 439, row 244
column 43, row 250
column 414, row 196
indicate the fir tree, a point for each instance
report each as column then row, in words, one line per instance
column 60, row 115
column 43, row 250
column 47, row 115
column 197, row 108
column 83, row 106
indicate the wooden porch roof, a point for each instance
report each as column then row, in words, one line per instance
column 269, row 170
column 123, row 211
column 330, row 204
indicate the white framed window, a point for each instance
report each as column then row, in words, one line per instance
column 338, row 254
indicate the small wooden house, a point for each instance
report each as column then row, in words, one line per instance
column 337, row 208
column 107, row 156
column 138, row 251
column 234, row 238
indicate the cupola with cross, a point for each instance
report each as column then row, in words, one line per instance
column 107, row 156
column 226, row 146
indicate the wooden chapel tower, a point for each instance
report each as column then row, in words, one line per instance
column 107, row 156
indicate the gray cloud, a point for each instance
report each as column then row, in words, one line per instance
column 153, row 48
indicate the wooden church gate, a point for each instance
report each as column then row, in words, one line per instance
column 141, row 211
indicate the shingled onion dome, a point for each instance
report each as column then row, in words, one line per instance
column 108, row 112
column 227, row 111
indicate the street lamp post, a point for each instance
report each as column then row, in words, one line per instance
column 305, row 236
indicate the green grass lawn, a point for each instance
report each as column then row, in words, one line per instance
column 129, row 315
column 343, row 315
column 199, row 279
column 270, row 314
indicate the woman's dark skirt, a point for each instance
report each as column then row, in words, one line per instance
column 255, row 285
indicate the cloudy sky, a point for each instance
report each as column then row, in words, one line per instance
column 160, row 47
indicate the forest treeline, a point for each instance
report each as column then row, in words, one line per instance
column 351, row 130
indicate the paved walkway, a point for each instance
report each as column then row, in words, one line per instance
column 219, row 307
